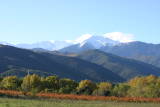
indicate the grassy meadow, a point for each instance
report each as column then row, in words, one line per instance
column 8, row 102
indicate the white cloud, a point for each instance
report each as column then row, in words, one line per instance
column 119, row 36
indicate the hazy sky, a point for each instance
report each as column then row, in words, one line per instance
column 23, row 21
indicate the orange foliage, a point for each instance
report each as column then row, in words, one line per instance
column 84, row 97
column 101, row 98
column 9, row 92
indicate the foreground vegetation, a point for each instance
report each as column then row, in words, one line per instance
column 5, row 102
column 18, row 94
column 147, row 87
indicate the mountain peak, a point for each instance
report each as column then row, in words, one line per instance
column 95, row 40
column 83, row 38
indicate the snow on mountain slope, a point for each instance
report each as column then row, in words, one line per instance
column 96, row 41
column 86, row 40
column 5, row 43
column 49, row 45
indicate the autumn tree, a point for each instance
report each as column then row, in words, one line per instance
column 50, row 84
column 103, row 89
column 31, row 83
column 86, row 87
column 120, row 90
column 10, row 82
column 148, row 86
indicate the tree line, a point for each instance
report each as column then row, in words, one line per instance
column 148, row 86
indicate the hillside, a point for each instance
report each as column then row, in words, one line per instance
column 15, row 61
column 77, row 48
column 146, row 52
column 141, row 51
column 126, row 68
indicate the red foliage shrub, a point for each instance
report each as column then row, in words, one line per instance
column 83, row 97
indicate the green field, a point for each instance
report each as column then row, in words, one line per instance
column 5, row 102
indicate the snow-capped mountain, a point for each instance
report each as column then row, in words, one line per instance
column 86, row 41
column 96, row 41
column 48, row 45
column 5, row 43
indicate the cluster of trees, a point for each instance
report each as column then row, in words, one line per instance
column 148, row 86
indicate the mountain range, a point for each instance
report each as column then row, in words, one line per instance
column 141, row 51
column 145, row 52
column 89, row 57
column 88, row 41
column 48, row 45
column 124, row 67
column 16, row 61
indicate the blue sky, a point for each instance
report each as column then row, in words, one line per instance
column 28, row 21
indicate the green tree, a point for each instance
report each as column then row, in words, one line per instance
column 67, row 85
